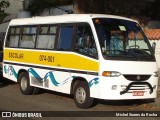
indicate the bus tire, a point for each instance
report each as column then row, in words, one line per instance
column 36, row 91
column 82, row 97
column 24, row 84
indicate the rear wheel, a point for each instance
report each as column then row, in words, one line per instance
column 36, row 91
column 24, row 84
column 82, row 95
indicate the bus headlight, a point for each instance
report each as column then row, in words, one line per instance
column 111, row 74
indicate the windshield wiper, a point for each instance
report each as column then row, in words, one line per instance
column 114, row 52
column 139, row 53
column 118, row 53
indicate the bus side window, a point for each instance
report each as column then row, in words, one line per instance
column 46, row 37
column 65, row 38
column 84, row 42
column 13, row 37
column 28, row 37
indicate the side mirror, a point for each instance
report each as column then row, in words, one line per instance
column 154, row 46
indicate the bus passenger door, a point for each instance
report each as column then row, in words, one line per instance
column 62, row 59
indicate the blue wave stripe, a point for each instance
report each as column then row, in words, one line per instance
column 13, row 71
column 51, row 76
column 34, row 73
column 5, row 70
column 48, row 75
column 93, row 81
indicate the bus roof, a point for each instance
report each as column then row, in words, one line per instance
column 67, row 18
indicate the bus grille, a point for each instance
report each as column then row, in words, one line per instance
column 137, row 77
column 136, row 88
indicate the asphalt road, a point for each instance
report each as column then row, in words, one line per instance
column 11, row 99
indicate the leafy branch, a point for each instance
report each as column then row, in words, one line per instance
column 3, row 6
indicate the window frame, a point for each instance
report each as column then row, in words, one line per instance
column 83, row 24
column 28, row 34
column 9, row 34
column 56, row 35
column 72, row 36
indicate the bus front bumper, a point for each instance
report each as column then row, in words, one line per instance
column 119, row 88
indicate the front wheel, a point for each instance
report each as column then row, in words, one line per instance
column 24, row 84
column 82, row 95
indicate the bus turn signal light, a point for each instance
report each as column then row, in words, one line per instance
column 110, row 74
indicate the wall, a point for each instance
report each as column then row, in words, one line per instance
column 4, row 26
column 157, row 52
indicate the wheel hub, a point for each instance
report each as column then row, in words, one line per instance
column 24, row 83
column 81, row 95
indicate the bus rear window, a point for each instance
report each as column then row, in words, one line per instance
column 13, row 37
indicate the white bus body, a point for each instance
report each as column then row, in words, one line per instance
column 89, row 56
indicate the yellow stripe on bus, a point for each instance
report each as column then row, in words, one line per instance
column 54, row 59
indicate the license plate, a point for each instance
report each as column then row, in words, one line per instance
column 138, row 93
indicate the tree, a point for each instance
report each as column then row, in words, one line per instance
column 80, row 6
column 148, row 9
column 89, row 6
column 155, row 12
column 38, row 6
column 3, row 5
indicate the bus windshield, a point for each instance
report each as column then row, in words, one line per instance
column 122, row 40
